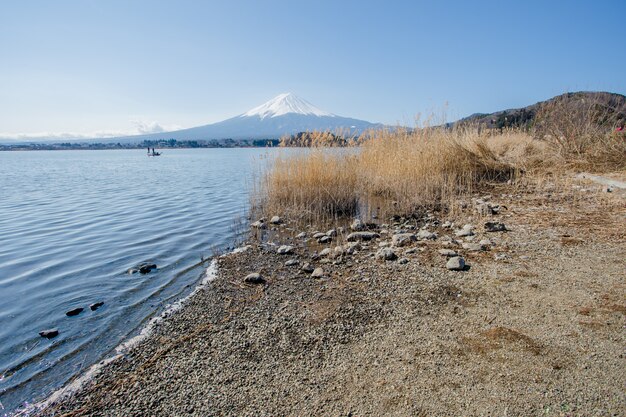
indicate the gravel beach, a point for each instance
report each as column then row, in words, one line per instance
column 533, row 324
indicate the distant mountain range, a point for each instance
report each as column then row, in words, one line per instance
column 288, row 114
column 285, row 114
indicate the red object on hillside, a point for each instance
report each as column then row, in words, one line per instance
column 619, row 129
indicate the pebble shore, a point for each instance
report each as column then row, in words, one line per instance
column 521, row 316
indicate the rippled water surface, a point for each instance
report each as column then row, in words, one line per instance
column 73, row 222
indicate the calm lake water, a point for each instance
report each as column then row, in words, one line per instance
column 73, row 222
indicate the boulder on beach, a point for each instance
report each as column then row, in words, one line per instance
column 285, row 250
column 495, row 227
column 403, row 239
column 259, row 224
column 447, row 252
column 254, row 278
column 325, row 239
column 360, row 236
column 357, row 225
column 386, row 254
column 467, row 230
column 426, row 235
column 456, row 263
column 276, row 220
column 317, row 273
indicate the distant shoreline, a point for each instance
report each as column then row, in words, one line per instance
column 169, row 144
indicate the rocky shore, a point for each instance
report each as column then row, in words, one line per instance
column 518, row 309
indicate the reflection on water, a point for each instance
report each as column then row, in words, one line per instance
column 73, row 222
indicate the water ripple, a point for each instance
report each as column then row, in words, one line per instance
column 73, row 222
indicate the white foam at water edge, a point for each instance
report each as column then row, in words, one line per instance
column 74, row 386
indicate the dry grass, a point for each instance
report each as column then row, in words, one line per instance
column 416, row 170
column 580, row 133
column 430, row 168
column 311, row 183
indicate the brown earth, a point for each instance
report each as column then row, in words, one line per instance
column 540, row 331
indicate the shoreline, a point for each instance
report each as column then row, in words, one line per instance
column 301, row 345
column 144, row 333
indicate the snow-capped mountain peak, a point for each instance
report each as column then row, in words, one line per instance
column 284, row 104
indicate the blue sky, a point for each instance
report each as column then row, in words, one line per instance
column 88, row 66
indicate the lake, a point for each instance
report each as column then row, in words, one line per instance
column 73, row 222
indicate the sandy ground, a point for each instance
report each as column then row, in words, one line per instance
column 540, row 331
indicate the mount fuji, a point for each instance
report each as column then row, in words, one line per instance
column 282, row 115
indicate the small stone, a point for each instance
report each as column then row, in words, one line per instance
column 473, row 247
column 403, row 239
column 95, row 306
column 301, row 235
column 486, row 243
column 259, row 224
column 447, row 252
column 495, row 227
column 285, row 250
column 403, row 261
column 447, row 225
column 74, row 312
column 307, row 267
column 325, row 239
column 254, row 278
column 456, row 263
column 319, row 235
column 426, row 235
column 467, row 230
column 331, row 233
column 410, row 251
column 353, row 247
column 500, row 256
column 326, row 252
column 386, row 254
column 292, row 262
column 276, row 220
column 484, row 209
column 49, row 334
column 317, row 273
column 357, row 225
column 361, row 236
column 146, row 268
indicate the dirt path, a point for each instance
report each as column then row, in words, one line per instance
column 540, row 331
column 609, row 182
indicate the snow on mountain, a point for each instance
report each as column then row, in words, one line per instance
column 284, row 104
column 286, row 114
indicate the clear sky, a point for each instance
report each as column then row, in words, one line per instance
column 107, row 66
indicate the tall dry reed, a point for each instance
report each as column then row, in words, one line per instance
column 414, row 169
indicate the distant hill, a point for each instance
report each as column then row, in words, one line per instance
column 606, row 107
